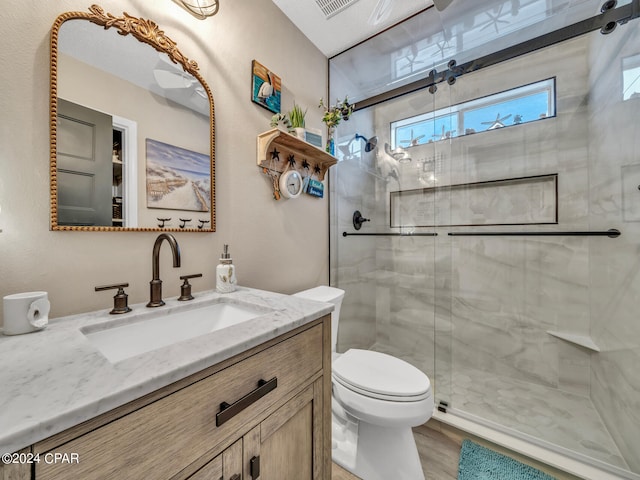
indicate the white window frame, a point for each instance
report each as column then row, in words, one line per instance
column 548, row 85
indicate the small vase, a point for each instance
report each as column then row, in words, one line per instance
column 299, row 132
column 331, row 142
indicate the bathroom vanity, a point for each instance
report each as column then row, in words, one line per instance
column 247, row 401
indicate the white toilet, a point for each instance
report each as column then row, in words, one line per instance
column 377, row 398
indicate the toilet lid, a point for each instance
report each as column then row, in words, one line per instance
column 380, row 374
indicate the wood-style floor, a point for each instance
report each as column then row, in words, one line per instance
column 439, row 455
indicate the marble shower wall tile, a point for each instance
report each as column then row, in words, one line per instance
column 492, row 330
column 357, row 327
column 443, row 319
column 353, row 259
column 616, row 395
column 411, row 327
column 557, row 291
column 406, row 300
column 574, row 372
column 614, row 146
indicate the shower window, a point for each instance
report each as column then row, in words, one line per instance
column 524, row 104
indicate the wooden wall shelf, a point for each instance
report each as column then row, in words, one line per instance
column 285, row 145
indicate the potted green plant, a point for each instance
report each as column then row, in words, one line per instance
column 296, row 119
column 332, row 116
column 281, row 119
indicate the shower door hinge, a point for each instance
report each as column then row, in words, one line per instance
column 442, row 406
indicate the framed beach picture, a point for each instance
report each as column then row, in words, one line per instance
column 266, row 87
column 177, row 179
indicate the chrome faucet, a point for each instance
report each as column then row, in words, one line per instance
column 156, row 283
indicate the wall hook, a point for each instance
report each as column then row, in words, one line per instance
column 162, row 220
column 184, row 222
column 203, row 223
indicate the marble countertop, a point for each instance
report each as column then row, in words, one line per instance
column 54, row 379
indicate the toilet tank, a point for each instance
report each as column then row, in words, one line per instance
column 327, row 294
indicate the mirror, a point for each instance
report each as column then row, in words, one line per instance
column 131, row 128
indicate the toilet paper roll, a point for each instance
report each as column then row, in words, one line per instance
column 38, row 313
column 25, row 312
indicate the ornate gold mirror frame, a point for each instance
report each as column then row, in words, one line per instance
column 145, row 31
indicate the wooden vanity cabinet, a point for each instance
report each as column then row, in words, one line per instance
column 268, row 432
column 280, row 447
column 16, row 471
column 226, row 466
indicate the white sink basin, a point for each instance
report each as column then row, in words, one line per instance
column 125, row 338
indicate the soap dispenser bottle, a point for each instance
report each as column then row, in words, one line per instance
column 226, row 273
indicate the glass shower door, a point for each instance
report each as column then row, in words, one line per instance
column 520, row 324
column 387, row 267
column 614, row 265
column 542, row 338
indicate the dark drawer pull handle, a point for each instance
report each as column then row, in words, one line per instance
column 254, row 467
column 236, row 477
column 228, row 411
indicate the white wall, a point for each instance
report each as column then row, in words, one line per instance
column 280, row 246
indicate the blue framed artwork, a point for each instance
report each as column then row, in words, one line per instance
column 266, row 87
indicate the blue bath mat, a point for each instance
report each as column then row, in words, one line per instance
column 480, row 463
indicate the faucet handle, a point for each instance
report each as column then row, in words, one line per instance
column 185, row 289
column 120, row 299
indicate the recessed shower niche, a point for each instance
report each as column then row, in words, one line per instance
column 512, row 201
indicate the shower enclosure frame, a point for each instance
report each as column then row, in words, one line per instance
column 518, row 441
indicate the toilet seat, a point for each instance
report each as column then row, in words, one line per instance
column 381, row 376
column 385, row 413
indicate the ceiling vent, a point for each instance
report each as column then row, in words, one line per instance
column 333, row 7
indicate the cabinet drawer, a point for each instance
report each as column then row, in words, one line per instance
column 160, row 439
